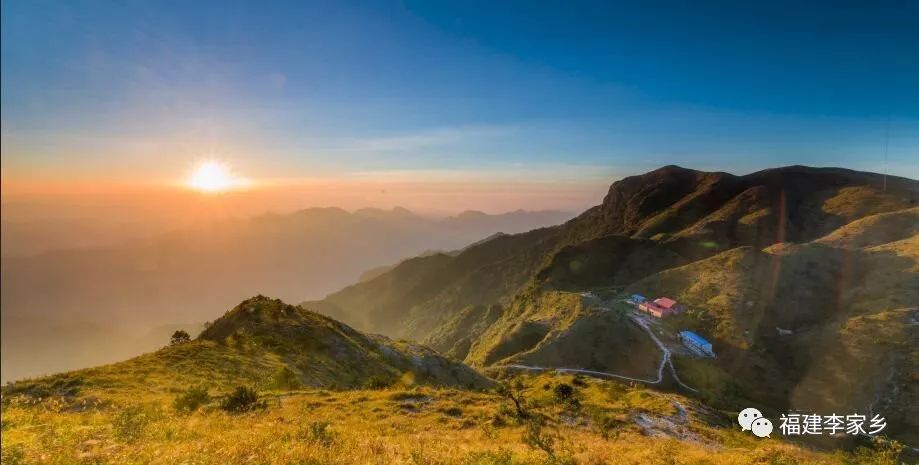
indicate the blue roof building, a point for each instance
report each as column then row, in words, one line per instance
column 638, row 298
column 697, row 343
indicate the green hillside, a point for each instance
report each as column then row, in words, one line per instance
column 805, row 280
column 849, row 319
column 686, row 214
column 255, row 342
column 875, row 230
column 806, row 250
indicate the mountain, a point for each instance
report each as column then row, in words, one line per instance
column 826, row 254
column 646, row 223
column 319, row 390
column 808, row 326
column 259, row 338
column 804, row 279
column 188, row 274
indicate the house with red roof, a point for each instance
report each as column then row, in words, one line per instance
column 661, row 307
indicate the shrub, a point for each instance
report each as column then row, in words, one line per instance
column 498, row 457
column 563, row 392
column 882, row 452
column 191, row 400
column 608, row 426
column 453, row 411
column 536, row 438
column 242, row 399
column 130, row 423
column 179, row 337
column 377, row 382
column 286, row 379
column 318, row 432
column 408, row 395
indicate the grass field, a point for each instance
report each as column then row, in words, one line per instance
column 598, row 422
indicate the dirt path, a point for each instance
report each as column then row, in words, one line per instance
column 644, row 325
column 665, row 361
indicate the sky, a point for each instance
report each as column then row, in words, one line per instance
column 540, row 104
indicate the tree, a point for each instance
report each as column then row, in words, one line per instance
column 514, row 393
column 180, row 337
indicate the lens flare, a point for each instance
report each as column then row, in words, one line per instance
column 212, row 177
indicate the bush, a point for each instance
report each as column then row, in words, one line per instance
column 536, row 438
column 377, row 382
column 453, row 411
column 563, row 392
column 882, row 452
column 179, row 337
column 191, row 400
column 319, row 433
column 498, row 457
column 408, row 395
column 609, row 426
column 242, row 399
column 130, row 423
column 286, row 379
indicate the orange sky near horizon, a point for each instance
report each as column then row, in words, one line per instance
column 426, row 194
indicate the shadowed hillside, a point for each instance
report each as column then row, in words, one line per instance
column 784, row 269
column 673, row 216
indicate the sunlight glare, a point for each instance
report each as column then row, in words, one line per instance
column 212, row 177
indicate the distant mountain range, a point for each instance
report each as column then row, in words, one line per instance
column 829, row 256
column 806, row 280
column 67, row 309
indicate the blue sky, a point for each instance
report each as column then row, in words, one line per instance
column 556, row 91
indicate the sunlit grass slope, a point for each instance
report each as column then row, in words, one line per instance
column 254, row 342
column 597, row 422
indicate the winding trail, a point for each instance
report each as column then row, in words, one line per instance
column 665, row 360
column 643, row 324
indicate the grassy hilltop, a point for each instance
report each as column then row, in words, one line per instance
column 595, row 422
column 270, row 383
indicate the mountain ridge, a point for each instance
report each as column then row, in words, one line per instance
column 257, row 339
column 748, row 254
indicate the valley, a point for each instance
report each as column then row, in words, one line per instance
column 529, row 348
column 787, row 271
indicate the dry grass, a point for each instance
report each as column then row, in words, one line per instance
column 416, row 426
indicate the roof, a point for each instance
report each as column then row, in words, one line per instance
column 638, row 297
column 694, row 338
column 665, row 302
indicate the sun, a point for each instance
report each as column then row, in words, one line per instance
column 212, row 177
